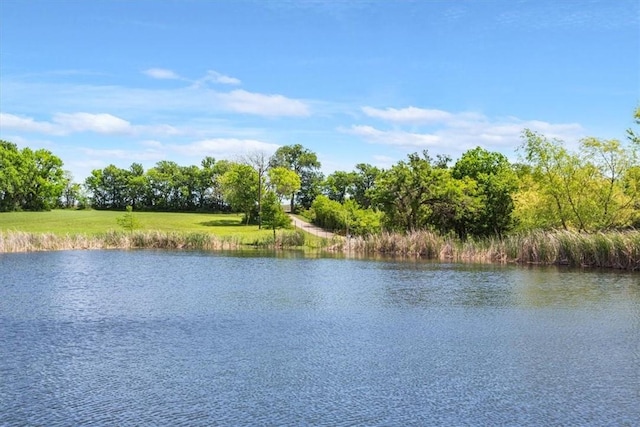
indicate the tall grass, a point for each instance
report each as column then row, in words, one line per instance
column 620, row 250
column 283, row 239
column 18, row 241
column 604, row 250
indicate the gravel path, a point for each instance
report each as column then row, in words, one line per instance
column 310, row 228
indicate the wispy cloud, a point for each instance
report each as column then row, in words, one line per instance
column 455, row 132
column 70, row 123
column 410, row 115
column 26, row 124
column 189, row 100
column 162, row 74
column 260, row 104
column 212, row 76
column 86, row 122
column 393, row 137
column 222, row 146
column 216, row 77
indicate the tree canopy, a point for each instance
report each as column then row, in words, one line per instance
column 591, row 188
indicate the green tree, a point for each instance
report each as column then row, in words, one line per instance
column 109, row 187
column 240, row 188
column 72, row 192
column 44, row 179
column 364, row 182
column 273, row 216
column 11, row 176
column 283, row 181
column 611, row 161
column 496, row 183
column 340, row 185
column 303, row 162
column 128, row 221
column 589, row 190
column 422, row 194
column 258, row 160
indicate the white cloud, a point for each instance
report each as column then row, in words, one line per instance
column 217, row 77
column 26, row 124
column 121, row 154
column 455, row 133
column 87, row 122
column 226, row 147
column 161, row 74
column 409, row 115
column 242, row 101
column 394, row 137
column 69, row 123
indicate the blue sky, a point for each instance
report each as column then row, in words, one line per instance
column 100, row 82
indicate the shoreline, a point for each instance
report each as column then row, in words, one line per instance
column 614, row 250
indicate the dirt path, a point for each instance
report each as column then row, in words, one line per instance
column 310, row 228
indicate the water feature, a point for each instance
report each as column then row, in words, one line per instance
column 192, row 338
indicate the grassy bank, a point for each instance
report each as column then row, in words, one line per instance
column 56, row 230
column 90, row 229
column 619, row 250
column 92, row 222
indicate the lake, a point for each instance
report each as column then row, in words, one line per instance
column 193, row 338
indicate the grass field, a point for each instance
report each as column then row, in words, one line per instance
column 92, row 222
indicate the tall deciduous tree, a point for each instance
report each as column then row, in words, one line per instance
column 273, row 216
column 283, row 181
column 496, row 183
column 258, row 160
column 364, row 182
column 303, row 162
column 31, row 180
column 240, row 188
column 340, row 185
column 420, row 194
column 588, row 190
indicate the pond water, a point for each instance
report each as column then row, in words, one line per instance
column 192, row 338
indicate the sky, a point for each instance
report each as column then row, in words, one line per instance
column 356, row 81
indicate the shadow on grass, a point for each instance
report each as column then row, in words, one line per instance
column 221, row 222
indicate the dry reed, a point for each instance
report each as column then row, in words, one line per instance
column 17, row 241
column 619, row 250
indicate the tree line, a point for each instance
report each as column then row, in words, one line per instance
column 593, row 188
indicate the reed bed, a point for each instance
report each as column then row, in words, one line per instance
column 620, row 250
column 284, row 239
column 18, row 241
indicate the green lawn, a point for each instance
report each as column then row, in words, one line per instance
column 92, row 222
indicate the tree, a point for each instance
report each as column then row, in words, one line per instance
column 496, row 183
column 420, row 194
column 32, row 180
column 109, row 187
column 128, row 221
column 11, row 176
column 138, row 192
column 258, row 160
column 340, row 185
column 283, row 181
column 612, row 161
column 72, row 192
column 364, row 182
column 240, row 189
column 273, row 216
column 589, row 190
column 304, row 163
